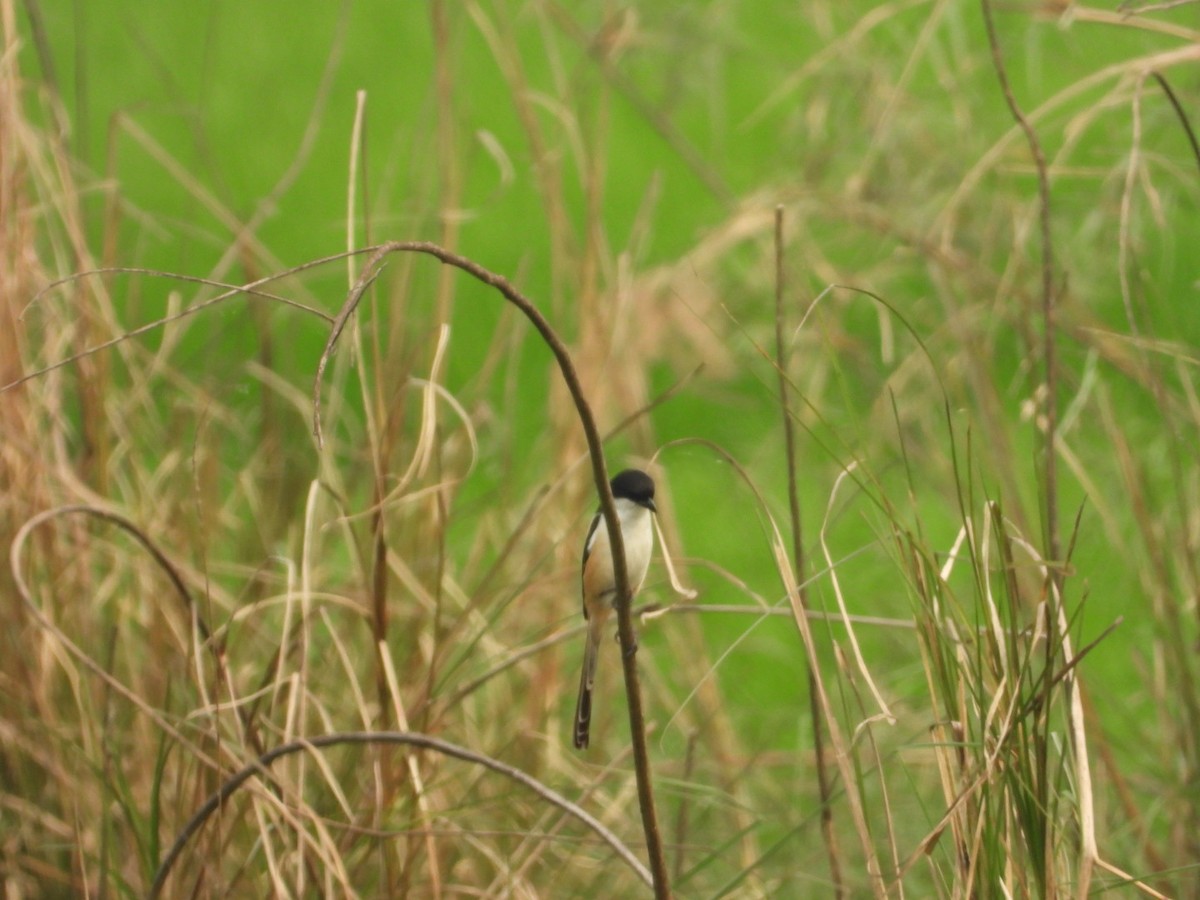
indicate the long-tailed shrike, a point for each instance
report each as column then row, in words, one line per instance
column 633, row 491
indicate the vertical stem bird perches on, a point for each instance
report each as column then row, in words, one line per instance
column 637, row 722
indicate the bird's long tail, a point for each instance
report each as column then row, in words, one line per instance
column 587, row 679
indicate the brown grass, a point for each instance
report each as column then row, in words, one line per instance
column 214, row 629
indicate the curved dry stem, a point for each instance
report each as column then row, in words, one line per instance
column 16, row 552
column 1179, row 111
column 18, row 544
column 259, row 766
column 230, row 289
column 637, row 722
column 251, row 289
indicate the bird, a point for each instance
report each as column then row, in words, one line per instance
column 633, row 494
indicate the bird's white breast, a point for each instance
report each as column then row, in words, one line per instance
column 638, row 535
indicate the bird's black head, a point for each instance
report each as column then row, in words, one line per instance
column 635, row 485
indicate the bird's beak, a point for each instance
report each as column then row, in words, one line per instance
column 650, row 506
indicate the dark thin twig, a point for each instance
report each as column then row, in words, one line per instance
column 15, row 554
column 789, row 442
column 655, row 610
column 653, row 404
column 637, row 720
column 1179, row 111
column 231, row 290
column 250, row 289
column 114, row 518
column 1040, row 696
column 682, row 819
column 215, row 647
column 1130, row 11
column 259, row 766
column 1049, row 325
column 628, row 88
